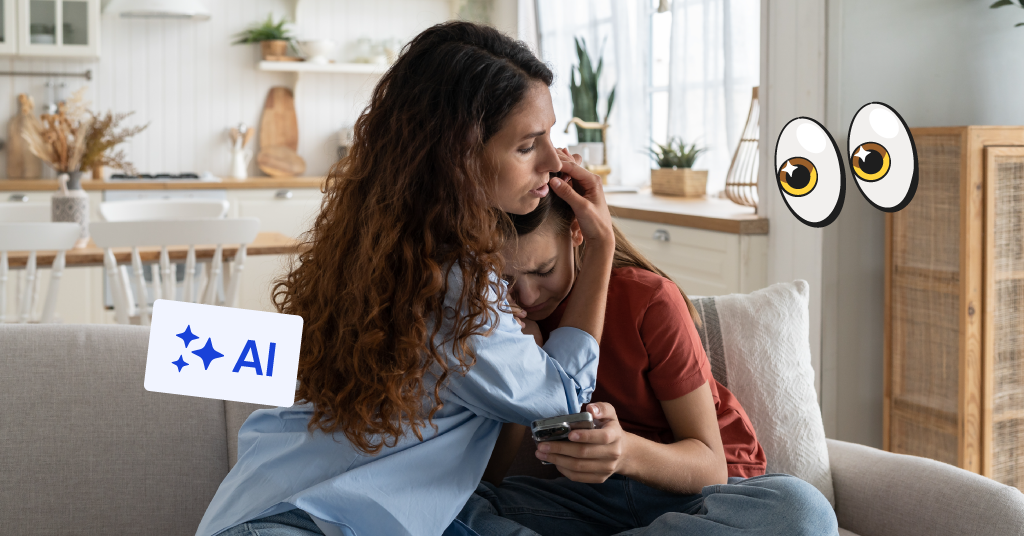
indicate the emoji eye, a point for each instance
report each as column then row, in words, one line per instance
column 798, row 176
column 883, row 157
column 870, row 161
column 810, row 172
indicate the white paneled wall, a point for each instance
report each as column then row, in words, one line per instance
column 793, row 77
column 188, row 81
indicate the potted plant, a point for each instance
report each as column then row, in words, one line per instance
column 272, row 36
column 584, row 104
column 59, row 140
column 675, row 175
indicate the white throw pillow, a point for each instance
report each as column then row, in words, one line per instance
column 759, row 348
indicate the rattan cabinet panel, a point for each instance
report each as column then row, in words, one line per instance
column 954, row 304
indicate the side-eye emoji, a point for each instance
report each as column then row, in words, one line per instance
column 882, row 157
column 810, row 172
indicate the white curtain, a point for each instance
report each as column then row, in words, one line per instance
column 715, row 62
column 618, row 29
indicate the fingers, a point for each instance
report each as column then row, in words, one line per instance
column 580, row 469
column 567, row 194
column 602, row 410
column 574, row 157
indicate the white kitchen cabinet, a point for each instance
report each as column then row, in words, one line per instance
column 8, row 27
column 288, row 211
column 703, row 263
column 56, row 28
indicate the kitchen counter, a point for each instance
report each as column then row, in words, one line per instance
column 710, row 214
column 43, row 185
column 706, row 213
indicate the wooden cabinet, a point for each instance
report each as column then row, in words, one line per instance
column 954, row 305
column 702, row 262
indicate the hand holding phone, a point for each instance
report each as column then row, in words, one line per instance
column 558, row 428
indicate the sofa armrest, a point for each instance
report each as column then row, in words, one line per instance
column 879, row 493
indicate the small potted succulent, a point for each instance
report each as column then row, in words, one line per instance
column 674, row 175
column 272, row 36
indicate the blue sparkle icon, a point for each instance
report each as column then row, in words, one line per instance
column 186, row 336
column 179, row 363
column 207, row 354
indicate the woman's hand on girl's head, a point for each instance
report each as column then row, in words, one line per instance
column 582, row 190
column 590, row 455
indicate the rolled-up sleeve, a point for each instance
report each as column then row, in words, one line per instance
column 514, row 380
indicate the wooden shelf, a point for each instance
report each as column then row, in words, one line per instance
column 306, row 67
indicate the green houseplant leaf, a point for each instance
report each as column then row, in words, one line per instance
column 675, row 154
column 584, row 92
column 266, row 31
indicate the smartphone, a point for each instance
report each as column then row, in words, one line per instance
column 558, row 428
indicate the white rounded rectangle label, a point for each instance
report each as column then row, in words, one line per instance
column 223, row 353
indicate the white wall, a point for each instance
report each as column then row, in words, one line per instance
column 191, row 84
column 939, row 63
column 792, row 41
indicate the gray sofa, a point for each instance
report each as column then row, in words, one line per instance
column 84, row 449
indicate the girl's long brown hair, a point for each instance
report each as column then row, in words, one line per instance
column 411, row 201
column 560, row 216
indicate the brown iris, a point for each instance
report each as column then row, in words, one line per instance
column 798, row 176
column 870, row 161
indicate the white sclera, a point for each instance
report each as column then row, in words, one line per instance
column 884, row 122
column 804, row 138
column 811, row 138
column 875, row 122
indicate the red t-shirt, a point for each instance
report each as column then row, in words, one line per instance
column 650, row 352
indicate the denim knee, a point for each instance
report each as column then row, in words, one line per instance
column 806, row 512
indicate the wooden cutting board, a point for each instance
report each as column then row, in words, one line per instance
column 279, row 126
column 279, row 161
column 21, row 163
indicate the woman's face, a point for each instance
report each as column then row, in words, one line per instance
column 542, row 269
column 523, row 154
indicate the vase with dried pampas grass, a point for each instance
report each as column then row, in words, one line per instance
column 59, row 140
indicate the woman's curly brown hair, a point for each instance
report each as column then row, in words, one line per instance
column 412, row 199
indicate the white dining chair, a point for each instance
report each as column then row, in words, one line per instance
column 14, row 212
column 33, row 237
column 136, row 234
column 158, row 209
column 163, row 209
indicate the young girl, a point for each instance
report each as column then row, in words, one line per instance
column 409, row 362
column 673, row 441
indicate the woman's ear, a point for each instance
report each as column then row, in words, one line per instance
column 577, row 234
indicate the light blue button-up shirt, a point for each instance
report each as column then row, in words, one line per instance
column 416, row 487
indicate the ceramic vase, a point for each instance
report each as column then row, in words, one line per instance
column 72, row 206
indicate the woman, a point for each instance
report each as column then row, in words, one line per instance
column 673, row 441
column 410, row 361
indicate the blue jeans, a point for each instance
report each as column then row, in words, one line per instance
column 291, row 523
column 762, row 505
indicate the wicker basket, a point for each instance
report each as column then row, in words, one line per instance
column 683, row 182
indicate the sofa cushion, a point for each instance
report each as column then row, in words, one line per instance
column 85, row 449
column 759, row 348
